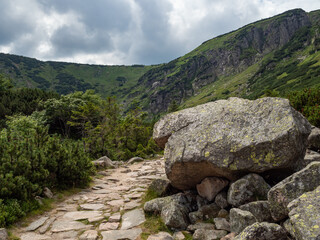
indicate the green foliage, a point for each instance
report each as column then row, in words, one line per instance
column 307, row 102
column 173, row 106
column 31, row 159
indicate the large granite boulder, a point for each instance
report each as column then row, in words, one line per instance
column 305, row 215
column 227, row 138
column 291, row 188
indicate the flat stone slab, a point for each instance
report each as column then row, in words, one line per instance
column 67, row 225
column 92, row 206
column 116, row 203
column 115, row 217
column 108, row 226
column 36, row 224
column 131, row 234
column 34, row 236
column 89, row 235
column 132, row 219
column 80, row 215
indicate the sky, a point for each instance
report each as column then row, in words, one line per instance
column 125, row 32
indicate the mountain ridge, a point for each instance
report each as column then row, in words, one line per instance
column 279, row 54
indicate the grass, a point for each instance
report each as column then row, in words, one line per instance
column 153, row 225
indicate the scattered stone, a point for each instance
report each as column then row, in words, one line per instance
column 221, row 224
column 67, row 225
column 200, row 225
column 259, row 209
column 204, row 234
column 115, row 217
column 92, row 206
column 130, row 234
column 47, row 193
column 311, row 156
column 175, row 216
column 230, row 236
column 156, row 205
column 134, row 160
column 210, row 211
column 3, row 234
column 131, row 205
column 263, row 231
column 160, row 186
column 228, row 137
column 81, row 215
column 132, row 219
column 195, row 217
column 178, row 236
column 108, row 226
column 34, row 236
column 240, row 219
column 89, row 235
column 103, row 162
column 46, row 226
column 211, row 186
column 314, row 139
column 36, row 224
column 291, row 188
column 305, row 215
column 247, row 189
column 160, row 236
column 221, row 200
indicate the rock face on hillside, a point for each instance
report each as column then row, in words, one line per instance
column 228, row 138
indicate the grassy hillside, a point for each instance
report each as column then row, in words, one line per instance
column 65, row 78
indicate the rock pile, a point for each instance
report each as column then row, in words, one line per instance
column 241, row 165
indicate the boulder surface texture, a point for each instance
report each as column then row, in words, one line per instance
column 227, row 138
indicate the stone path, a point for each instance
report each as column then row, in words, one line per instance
column 109, row 210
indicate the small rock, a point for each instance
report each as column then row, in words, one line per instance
column 134, row 159
column 89, row 235
column 311, row 156
column 160, row 186
column 204, row 234
column 211, row 186
column 36, row 224
column 3, row 234
column 247, row 189
column 104, row 162
column 223, row 214
column 92, row 206
column 221, row 200
column 263, row 231
column 108, row 226
column 115, row 217
column 210, row 211
column 47, row 193
column 200, row 225
column 230, row 236
column 240, row 219
column 130, row 234
column 195, row 217
column 259, row 209
column 175, row 216
column 160, row 236
column 221, row 224
column 178, row 236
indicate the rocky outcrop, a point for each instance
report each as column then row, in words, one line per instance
column 305, row 215
column 291, row 188
column 227, row 138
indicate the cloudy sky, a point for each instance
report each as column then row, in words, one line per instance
column 125, row 31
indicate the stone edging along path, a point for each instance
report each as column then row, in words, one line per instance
column 109, row 210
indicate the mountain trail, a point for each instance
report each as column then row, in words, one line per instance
column 109, row 210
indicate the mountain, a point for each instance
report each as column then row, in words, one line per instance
column 280, row 54
column 65, row 78
column 271, row 56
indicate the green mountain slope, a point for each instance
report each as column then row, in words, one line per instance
column 69, row 77
column 279, row 54
column 274, row 55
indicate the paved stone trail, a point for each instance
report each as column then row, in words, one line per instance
column 109, row 210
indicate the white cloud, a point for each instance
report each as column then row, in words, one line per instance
column 125, row 31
